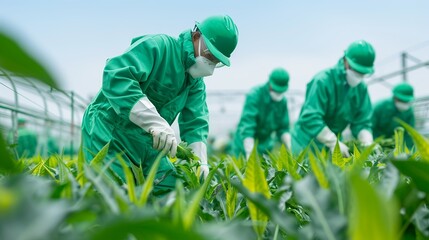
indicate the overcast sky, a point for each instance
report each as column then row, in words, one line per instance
column 73, row 38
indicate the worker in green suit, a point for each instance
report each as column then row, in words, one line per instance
column 398, row 106
column 144, row 90
column 265, row 118
column 27, row 141
column 335, row 98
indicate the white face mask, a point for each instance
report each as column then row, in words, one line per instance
column 354, row 78
column 202, row 67
column 276, row 97
column 402, row 106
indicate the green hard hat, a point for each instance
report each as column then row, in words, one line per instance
column 279, row 80
column 220, row 35
column 404, row 92
column 361, row 55
column 22, row 120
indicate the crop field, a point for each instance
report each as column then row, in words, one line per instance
column 277, row 196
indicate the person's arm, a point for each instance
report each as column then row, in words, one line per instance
column 361, row 125
column 315, row 106
column 122, row 76
column 194, row 123
column 283, row 131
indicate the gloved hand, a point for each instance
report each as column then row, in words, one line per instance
column 327, row 137
column 200, row 150
column 365, row 137
column 286, row 139
column 145, row 115
column 248, row 144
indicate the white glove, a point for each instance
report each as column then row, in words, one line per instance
column 365, row 137
column 145, row 115
column 248, row 144
column 200, row 150
column 327, row 137
column 286, row 139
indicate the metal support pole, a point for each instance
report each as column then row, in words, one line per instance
column 404, row 66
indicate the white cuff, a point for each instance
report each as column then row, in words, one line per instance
column 365, row 137
column 327, row 137
column 145, row 115
column 200, row 149
column 248, row 144
column 286, row 139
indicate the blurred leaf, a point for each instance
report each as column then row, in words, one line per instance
column 399, row 141
column 131, row 186
column 108, row 189
column 101, row 155
column 194, row 204
column 148, row 184
column 7, row 164
column 286, row 222
column 420, row 142
column 15, row 59
column 326, row 221
column 421, row 220
column 337, row 156
column 371, row 216
column 184, row 152
column 417, row 171
column 318, row 171
column 143, row 229
column 289, row 164
column 231, row 201
column 254, row 180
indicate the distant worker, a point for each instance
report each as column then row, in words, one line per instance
column 145, row 88
column 335, row 98
column 265, row 118
column 398, row 106
column 26, row 145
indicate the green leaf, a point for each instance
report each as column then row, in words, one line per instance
column 326, row 221
column 255, row 181
column 286, row 222
column 231, row 201
column 129, row 177
column 420, row 142
column 417, row 171
column 318, row 171
column 148, row 184
column 7, row 164
column 337, row 156
column 101, row 155
column 142, row 229
column 371, row 216
column 194, row 204
column 184, row 152
column 289, row 164
column 15, row 59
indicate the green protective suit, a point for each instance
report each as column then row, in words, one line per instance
column 383, row 123
column 331, row 102
column 153, row 66
column 27, row 142
column 261, row 119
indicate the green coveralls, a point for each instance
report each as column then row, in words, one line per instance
column 153, row 66
column 261, row 117
column 383, row 123
column 331, row 102
column 27, row 142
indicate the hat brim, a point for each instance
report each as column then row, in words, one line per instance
column 213, row 50
column 404, row 98
column 277, row 88
column 360, row 68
